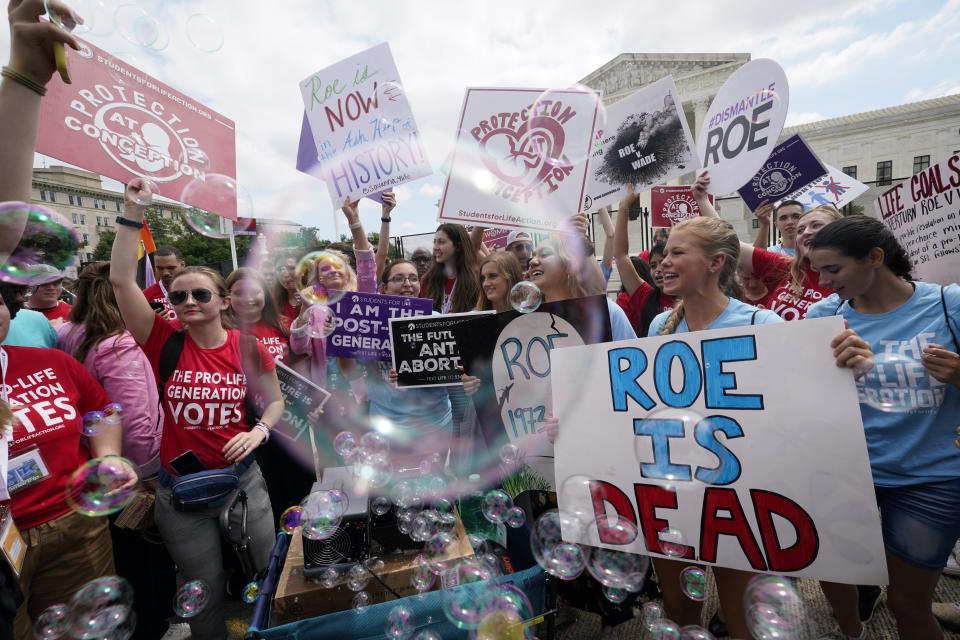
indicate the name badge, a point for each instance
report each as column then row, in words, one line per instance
column 11, row 542
column 25, row 469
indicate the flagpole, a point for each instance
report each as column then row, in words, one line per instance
column 228, row 229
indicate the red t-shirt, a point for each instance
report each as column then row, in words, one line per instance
column 154, row 293
column 58, row 314
column 203, row 398
column 774, row 270
column 273, row 340
column 289, row 311
column 49, row 394
column 633, row 305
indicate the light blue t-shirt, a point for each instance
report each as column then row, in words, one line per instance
column 910, row 418
column 620, row 327
column 736, row 314
column 606, row 273
column 31, row 329
column 416, row 413
column 779, row 248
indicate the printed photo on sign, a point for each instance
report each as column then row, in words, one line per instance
column 362, row 323
column 519, row 158
column 836, row 189
column 791, row 165
column 512, row 354
column 363, row 129
column 670, row 205
column 924, row 213
column 645, row 141
column 425, row 351
column 743, row 124
column 117, row 121
column 690, row 432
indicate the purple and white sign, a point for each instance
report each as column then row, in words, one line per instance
column 791, row 165
column 362, row 324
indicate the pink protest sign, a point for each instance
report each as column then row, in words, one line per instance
column 671, row 205
column 117, row 121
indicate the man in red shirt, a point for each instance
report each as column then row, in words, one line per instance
column 46, row 297
column 166, row 261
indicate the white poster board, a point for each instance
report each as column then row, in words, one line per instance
column 645, row 142
column 519, row 158
column 924, row 213
column 786, row 488
column 743, row 124
column 367, row 140
column 836, row 188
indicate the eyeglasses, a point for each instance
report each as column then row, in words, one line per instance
column 401, row 279
column 179, row 296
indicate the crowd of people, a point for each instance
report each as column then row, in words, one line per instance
column 192, row 359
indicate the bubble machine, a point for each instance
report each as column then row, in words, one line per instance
column 349, row 543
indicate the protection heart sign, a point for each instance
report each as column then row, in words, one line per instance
column 519, row 158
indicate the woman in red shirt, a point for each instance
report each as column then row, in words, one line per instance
column 204, row 412
column 794, row 286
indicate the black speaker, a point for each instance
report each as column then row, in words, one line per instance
column 349, row 543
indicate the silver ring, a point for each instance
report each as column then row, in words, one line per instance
column 243, row 448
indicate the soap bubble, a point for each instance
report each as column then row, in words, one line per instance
column 320, row 320
column 552, row 104
column 86, row 9
column 221, row 197
column 460, row 604
column 499, row 625
column 113, row 414
column 191, row 598
column 357, row 578
column 53, row 623
column 427, row 634
column 760, row 97
column 672, row 542
column 421, row 577
column 91, row 420
column 516, row 517
column 903, row 380
column 136, row 25
column 204, row 33
column 392, row 111
column 774, row 608
column 380, row 505
column 48, row 240
column 496, row 505
column 422, row 528
column 329, row 578
column 693, row 581
column 695, row 632
column 320, row 525
column 373, row 442
column 652, row 612
column 250, row 592
column 399, row 623
column 613, row 594
column 525, row 297
column 439, row 551
column 361, row 600
column 557, row 557
column 147, row 189
column 321, row 277
column 290, row 519
column 611, row 568
column 345, row 444
column 665, row 629
column 96, row 487
column 99, row 607
column 509, row 453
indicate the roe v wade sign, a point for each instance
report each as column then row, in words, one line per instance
column 743, row 124
column 688, row 432
column 367, row 140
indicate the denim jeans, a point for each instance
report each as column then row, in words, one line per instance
column 193, row 540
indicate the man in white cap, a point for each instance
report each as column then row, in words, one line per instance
column 46, row 296
column 520, row 244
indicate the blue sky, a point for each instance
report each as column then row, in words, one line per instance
column 840, row 58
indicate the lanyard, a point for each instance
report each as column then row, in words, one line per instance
column 7, row 434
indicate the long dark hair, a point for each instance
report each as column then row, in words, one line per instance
column 855, row 236
column 466, row 272
column 95, row 309
column 652, row 306
column 269, row 314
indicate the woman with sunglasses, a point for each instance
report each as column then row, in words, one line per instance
column 204, row 411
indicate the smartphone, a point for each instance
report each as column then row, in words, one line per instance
column 157, row 306
column 187, row 463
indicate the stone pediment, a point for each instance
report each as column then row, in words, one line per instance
column 631, row 71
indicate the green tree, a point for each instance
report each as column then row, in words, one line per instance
column 102, row 250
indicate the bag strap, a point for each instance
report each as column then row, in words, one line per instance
column 946, row 316
column 169, row 357
column 753, row 318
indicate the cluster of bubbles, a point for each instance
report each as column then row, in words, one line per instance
column 774, row 609
column 525, row 297
column 111, row 415
column 48, row 240
column 191, row 598
column 319, row 514
column 102, row 608
column 101, row 486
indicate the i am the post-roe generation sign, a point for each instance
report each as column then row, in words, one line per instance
column 117, row 121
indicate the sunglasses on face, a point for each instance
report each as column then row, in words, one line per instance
column 179, row 296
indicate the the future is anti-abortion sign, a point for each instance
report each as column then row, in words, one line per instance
column 367, row 140
column 118, row 121
column 690, row 432
column 518, row 160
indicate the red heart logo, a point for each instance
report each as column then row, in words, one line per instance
column 524, row 157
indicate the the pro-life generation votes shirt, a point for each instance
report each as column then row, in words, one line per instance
column 774, row 270
column 49, row 392
column 203, row 399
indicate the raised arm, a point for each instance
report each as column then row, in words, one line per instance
column 29, row 69
column 762, row 214
column 383, row 246
column 352, row 211
column 629, row 277
column 134, row 308
column 706, row 209
column 608, row 232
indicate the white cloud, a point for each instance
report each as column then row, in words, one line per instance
column 948, row 87
column 430, row 190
